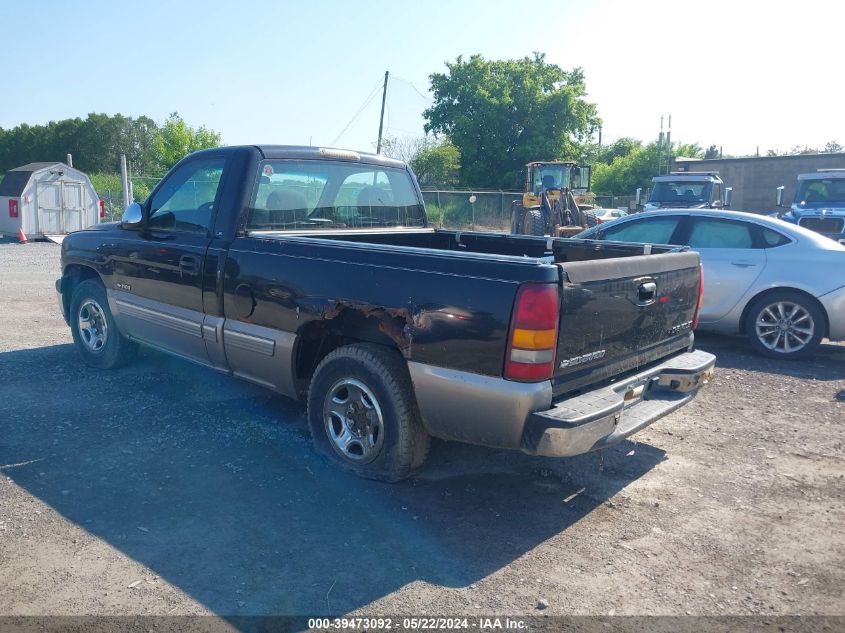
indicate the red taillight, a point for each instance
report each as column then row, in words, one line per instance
column 533, row 333
column 102, row 209
column 700, row 296
column 13, row 208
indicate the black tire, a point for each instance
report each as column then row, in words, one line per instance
column 798, row 313
column 517, row 213
column 533, row 222
column 589, row 217
column 401, row 445
column 101, row 345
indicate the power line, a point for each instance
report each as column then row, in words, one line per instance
column 357, row 114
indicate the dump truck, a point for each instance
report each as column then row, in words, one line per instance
column 687, row 190
column 819, row 203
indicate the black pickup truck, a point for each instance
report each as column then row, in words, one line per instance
column 314, row 272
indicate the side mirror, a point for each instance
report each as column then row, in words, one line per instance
column 729, row 195
column 780, row 196
column 133, row 216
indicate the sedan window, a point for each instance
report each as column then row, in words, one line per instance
column 716, row 233
column 647, row 230
column 772, row 238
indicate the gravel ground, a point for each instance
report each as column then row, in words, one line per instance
column 164, row 488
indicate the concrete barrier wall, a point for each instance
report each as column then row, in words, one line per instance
column 754, row 180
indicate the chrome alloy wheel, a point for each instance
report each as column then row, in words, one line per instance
column 785, row 327
column 93, row 327
column 353, row 421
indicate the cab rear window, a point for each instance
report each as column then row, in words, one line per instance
column 314, row 195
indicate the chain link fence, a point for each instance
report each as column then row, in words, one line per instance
column 627, row 203
column 470, row 210
column 109, row 190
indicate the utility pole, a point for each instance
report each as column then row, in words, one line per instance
column 124, row 177
column 599, row 137
column 381, row 120
column 660, row 148
column 669, row 147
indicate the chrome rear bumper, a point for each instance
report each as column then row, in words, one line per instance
column 607, row 415
column 495, row 412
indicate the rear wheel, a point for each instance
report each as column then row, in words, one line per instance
column 588, row 216
column 93, row 328
column 517, row 213
column 785, row 324
column 363, row 415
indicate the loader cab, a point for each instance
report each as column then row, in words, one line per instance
column 554, row 176
column 542, row 176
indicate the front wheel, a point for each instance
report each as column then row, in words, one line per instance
column 785, row 324
column 533, row 222
column 363, row 415
column 93, row 328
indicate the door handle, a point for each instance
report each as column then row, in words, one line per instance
column 646, row 292
column 189, row 264
column 743, row 264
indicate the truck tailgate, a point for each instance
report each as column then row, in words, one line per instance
column 623, row 313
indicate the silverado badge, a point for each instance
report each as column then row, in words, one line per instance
column 584, row 358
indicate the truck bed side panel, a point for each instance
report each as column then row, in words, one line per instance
column 451, row 319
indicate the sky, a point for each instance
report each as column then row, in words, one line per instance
column 741, row 74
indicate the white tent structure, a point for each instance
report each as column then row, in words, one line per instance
column 47, row 199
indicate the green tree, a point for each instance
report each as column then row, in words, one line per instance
column 438, row 165
column 832, row 147
column 435, row 162
column 593, row 154
column 503, row 114
column 625, row 173
column 404, row 148
column 175, row 139
column 803, row 149
column 712, row 152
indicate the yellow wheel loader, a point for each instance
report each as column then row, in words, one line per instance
column 557, row 200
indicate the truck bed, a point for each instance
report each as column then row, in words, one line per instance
column 607, row 326
column 551, row 250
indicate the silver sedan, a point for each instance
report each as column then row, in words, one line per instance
column 781, row 285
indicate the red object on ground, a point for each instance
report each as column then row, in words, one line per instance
column 21, row 236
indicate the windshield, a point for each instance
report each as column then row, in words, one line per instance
column 313, row 195
column 681, row 193
column 822, row 191
column 551, row 177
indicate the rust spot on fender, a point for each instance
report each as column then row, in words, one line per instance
column 394, row 323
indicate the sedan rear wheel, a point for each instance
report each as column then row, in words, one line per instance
column 785, row 324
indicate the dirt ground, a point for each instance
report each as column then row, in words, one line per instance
column 164, row 488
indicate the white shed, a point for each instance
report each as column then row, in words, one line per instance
column 47, row 199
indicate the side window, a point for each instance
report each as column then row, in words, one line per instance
column 772, row 238
column 650, row 231
column 716, row 233
column 185, row 202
